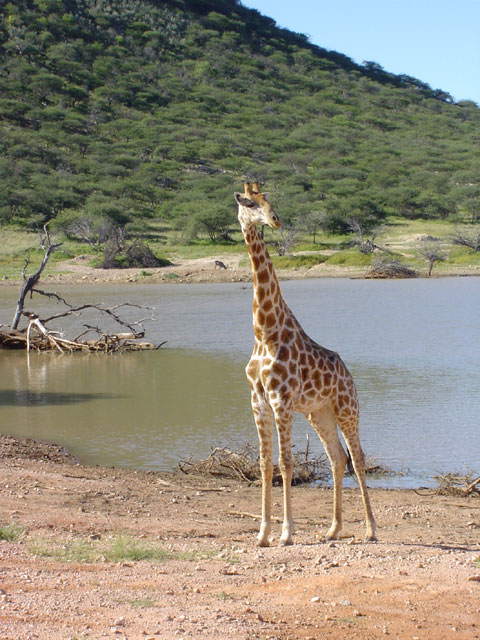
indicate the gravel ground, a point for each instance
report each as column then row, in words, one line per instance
column 112, row 553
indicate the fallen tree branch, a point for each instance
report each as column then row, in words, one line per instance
column 109, row 311
column 457, row 484
column 472, row 486
column 37, row 337
column 245, row 514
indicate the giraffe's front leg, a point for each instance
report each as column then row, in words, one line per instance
column 264, row 421
column 284, row 419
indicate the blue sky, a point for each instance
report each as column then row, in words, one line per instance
column 436, row 41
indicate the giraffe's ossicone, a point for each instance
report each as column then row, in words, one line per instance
column 290, row 372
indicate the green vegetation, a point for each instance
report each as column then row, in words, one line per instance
column 115, row 110
column 142, row 603
column 403, row 240
column 463, row 257
column 145, row 116
column 11, row 532
column 120, row 548
column 72, row 551
column 125, row 548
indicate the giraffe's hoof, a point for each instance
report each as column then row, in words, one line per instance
column 285, row 542
column 261, row 542
column 331, row 536
column 371, row 538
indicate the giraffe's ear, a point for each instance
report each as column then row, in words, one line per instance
column 242, row 200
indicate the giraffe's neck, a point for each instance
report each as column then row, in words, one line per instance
column 269, row 308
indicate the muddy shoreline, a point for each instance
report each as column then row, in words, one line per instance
column 201, row 575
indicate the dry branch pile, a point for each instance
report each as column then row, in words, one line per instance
column 244, row 465
column 388, row 267
column 37, row 338
column 450, row 484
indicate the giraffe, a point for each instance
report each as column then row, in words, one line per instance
column 290, row 372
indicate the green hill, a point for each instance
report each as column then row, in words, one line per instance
column 116, row 111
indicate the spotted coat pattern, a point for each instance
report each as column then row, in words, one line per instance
column 290, row 372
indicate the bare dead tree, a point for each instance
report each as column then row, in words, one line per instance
column 365, row 239
column 432, row 254
column 94, row 231
column 29, row 283
column 288, row 236
column 467, row 237
column 36, row 335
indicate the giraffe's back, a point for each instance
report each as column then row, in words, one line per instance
column 325, row 379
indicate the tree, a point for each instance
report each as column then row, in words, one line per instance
column 29, row 283
column 467, row 237
column 216, row 221
column 288, row 235
column 361, row 228
column 38, row 337
column 313, row 221
column 432, row 254
column 468, row 196
column 79, row 225
column 138, row 104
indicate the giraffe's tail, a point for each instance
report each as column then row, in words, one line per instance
column 350, row 468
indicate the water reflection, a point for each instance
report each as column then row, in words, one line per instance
column 29, row 398
column 140, row 410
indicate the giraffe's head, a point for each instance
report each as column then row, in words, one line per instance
column 254, row 208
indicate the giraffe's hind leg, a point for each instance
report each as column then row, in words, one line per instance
column 324, row 423
column 350, row 433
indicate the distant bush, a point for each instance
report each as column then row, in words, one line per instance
column 137, row 254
